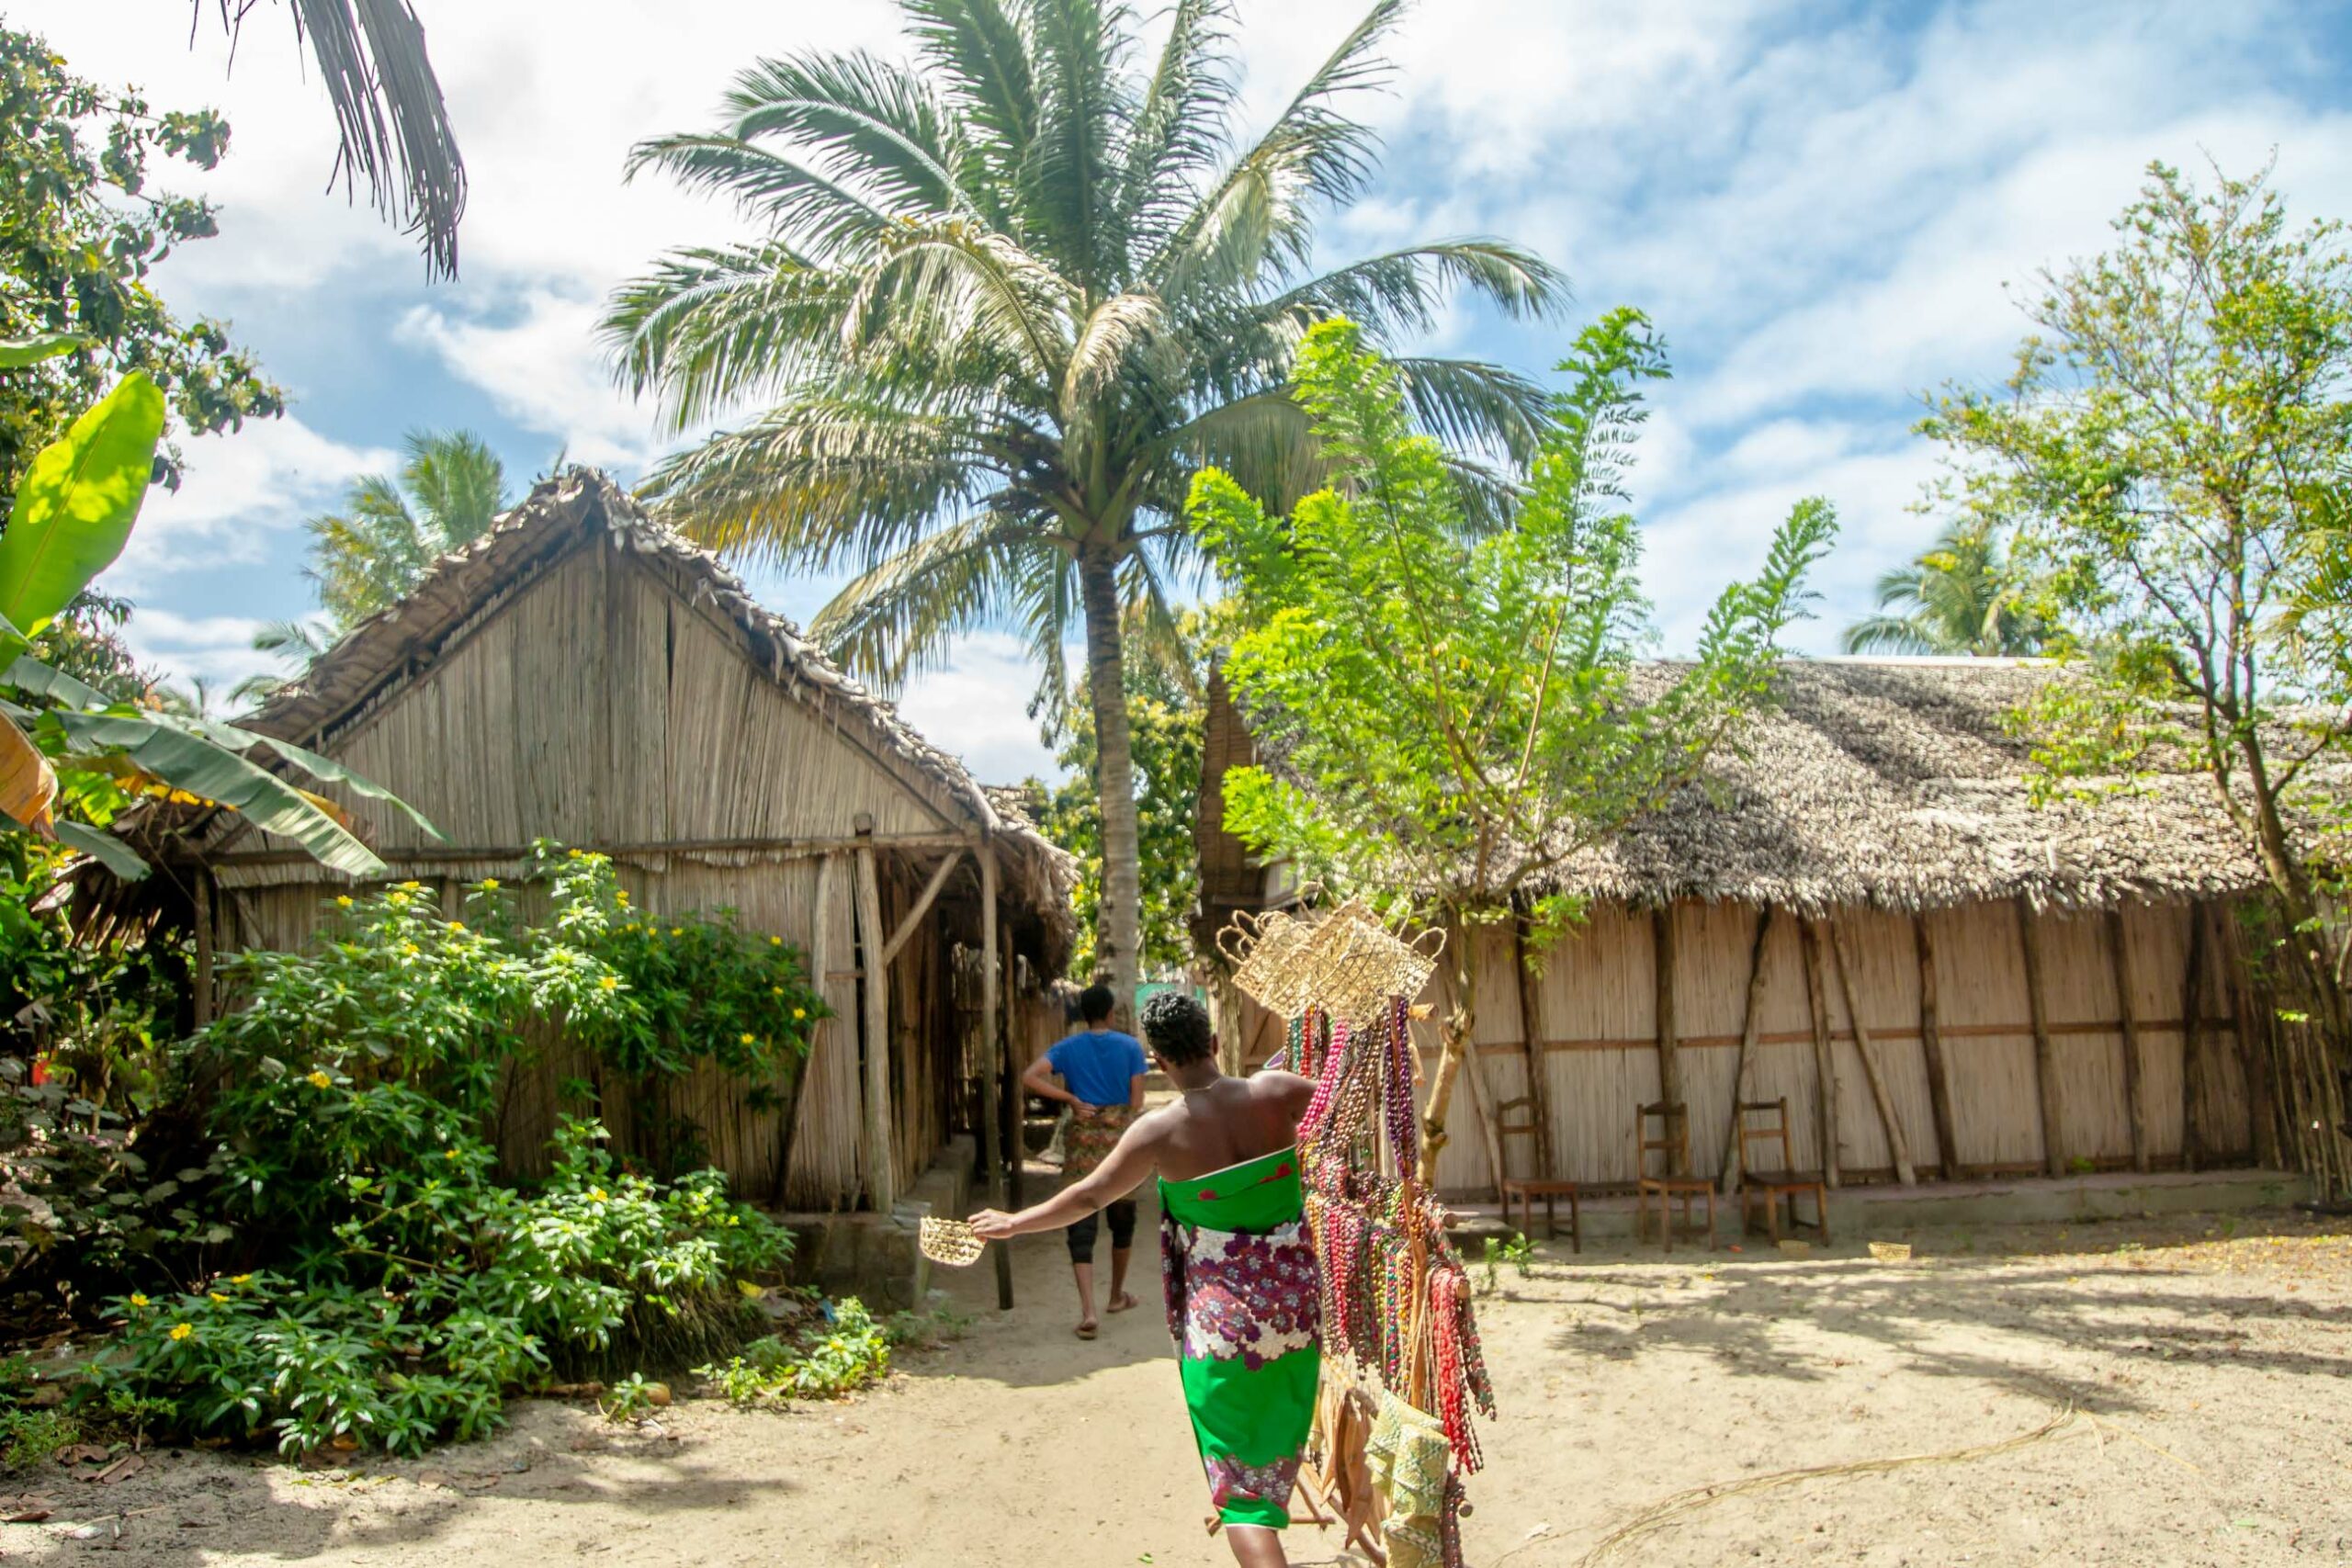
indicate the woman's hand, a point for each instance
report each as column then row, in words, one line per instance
column 991, row 1225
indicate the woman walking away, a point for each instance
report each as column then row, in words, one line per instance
column 1238, row 1264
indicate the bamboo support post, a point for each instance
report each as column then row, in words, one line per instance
column 2250, row 1024
column 202, row 1000
column 991, row 1045
column 1750, row 1021
column 1530, row 1029
column 2045, row 1055
column 1897, row 1145
column 1931, row 1046
column 1825, row 1058
column 2127, row 1013
column 820, row 958
column 1670, row 1054
column 882, row 1176
column 2192, row 1044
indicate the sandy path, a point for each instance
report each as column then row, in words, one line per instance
column 2217, row 1371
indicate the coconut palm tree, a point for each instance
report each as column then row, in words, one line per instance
column 391, row 129
column 1008, row 301
column 1958, row 598
column 366, row 556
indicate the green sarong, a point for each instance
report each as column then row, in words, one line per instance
column 1245, row 1303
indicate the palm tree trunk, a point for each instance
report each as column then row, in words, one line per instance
column 1119, row 918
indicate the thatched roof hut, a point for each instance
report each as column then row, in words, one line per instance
column 2041, row 987
column 582, row 673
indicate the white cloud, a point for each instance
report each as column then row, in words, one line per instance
column 241, row 487
column 541, row 363
column 978, row 709
column 216, row 648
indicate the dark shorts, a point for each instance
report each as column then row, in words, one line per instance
column 1122, row 1230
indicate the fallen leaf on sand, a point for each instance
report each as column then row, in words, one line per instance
column 26, row 1517
column 83, row 1453
column 129, row 1464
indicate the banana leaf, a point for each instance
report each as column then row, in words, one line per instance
column 77, row 502
column 174, row 750
column 15, row 353
column 102, row 847
column 326, row 770
column 30, row 676
column 28, row 784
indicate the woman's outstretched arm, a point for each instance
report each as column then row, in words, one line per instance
column 1121, row 1170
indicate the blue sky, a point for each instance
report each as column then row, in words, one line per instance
column 1821, row 205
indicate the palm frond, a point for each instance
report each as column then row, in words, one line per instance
column 820, row 214
column 393, row 129
column 1888, row 633
column 1071, row 187
column 457, row 482
column 897, row 619
column 965, row 292
column 710, row 327
column 826, row 481
column 1181, row 123
column 871, row 124
column 981, row 61
column 1400, row 292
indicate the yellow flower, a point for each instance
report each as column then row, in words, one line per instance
column 218, row 1297
column 451, row 1154
column 456, row 925
column 182, row 1330
column 490, row 884
column 240, row 1279
column 799, row 1012
column 677, row 930
column 608, row 984
column 137, row 1300
column 319, row 1080
column 411, row 887
column 621, row 898
column 595, row 1194
column 572, row 855
column 775, row 941
column 410, row 948
column 746, row 1039
column 343, row 901
column 775, row 990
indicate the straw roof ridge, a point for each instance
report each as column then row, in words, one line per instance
column 472, row 582
column 1895, row 783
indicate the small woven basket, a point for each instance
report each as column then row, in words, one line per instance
column 951, row 1242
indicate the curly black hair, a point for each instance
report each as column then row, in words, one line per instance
column 1177, row 1029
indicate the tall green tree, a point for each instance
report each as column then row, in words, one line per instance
column 1960, row 598
column 2171, row 454
column 1007, row 302
column 1457, row 719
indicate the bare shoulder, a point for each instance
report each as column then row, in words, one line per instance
column 1274, row 1084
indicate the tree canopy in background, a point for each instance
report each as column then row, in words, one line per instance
column 1961, row 598
column 2171, row 456
column 82, row 226
column 1450, row 718
column 1004, row 303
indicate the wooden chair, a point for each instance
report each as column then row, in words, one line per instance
column 1770, row 1181
column 1673, row 1144
column 1527, row 1189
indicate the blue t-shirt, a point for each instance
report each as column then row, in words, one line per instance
column 1099, row 1065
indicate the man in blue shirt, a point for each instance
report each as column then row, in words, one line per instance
column 1101, row 1072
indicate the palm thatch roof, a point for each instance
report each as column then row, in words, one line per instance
column 373, row 663
column 1891, row 782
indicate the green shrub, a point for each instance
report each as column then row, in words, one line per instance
column 842, row 1354
column 399, row 1351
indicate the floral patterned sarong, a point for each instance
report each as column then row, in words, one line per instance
column 1093, row 1131
column 1245, row 1301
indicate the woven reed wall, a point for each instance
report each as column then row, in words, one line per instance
column 1598, row 1011
column 600, row 705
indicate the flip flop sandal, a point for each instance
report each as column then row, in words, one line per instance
column 1124, row 1304
column 1088, row 1330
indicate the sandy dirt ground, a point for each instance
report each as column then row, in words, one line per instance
column 2189, row 1379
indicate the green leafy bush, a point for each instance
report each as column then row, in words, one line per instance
column 399, row 1350
column 839, row 1356
column 396, row 1287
